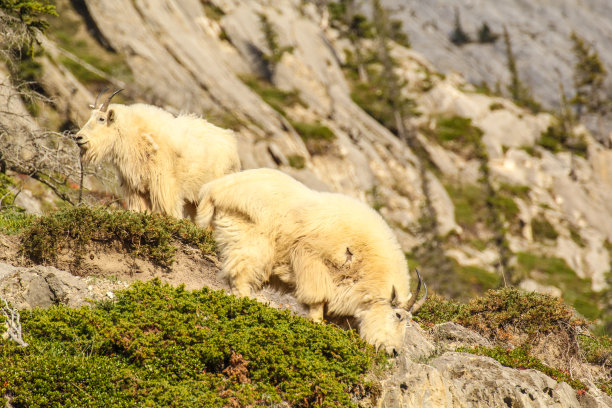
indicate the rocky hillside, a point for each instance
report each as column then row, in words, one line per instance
column 478, row 190
column 530, row 352
column 482, row 193
column 540, row 34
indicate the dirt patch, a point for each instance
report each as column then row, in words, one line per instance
column 102, row 264
column 9, row 250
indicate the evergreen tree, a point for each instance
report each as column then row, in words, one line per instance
column 20, row 21
column 458, row 36
column 589, row 76
column 392, row 83
column 354, row 26
column 485, row 35
column 520, row 94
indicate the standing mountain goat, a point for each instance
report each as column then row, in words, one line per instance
column 335, row 252
column 162, row 160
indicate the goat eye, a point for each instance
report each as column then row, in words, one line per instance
column 101, row 119
column 398, row 315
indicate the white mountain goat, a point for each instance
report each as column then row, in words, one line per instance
column 162, row 160
column 336, row 253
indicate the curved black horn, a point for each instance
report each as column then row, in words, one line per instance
column 95, row 104
column 416, row 293
column 105, row 104
column 420, row 303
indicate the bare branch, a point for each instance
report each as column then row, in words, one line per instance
column 13, row 323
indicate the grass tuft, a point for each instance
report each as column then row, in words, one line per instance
column 150, row 236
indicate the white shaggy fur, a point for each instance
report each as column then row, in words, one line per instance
column 162, row 160
column 335, row 252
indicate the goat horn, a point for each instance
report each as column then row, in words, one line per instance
column 415, row 295
column 105, row 104
column 95, row 104
column 415, row 307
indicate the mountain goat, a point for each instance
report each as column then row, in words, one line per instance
column 162, row 160
column 336, row 253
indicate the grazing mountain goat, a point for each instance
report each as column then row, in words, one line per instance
column 335, row 252
column 162, row 160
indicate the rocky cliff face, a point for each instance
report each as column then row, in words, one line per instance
column 551, row 206
column 540, row 34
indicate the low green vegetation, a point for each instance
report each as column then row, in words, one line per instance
column 150, row 236
column 543, row 230
column 316, row 136
column 69, row 31
column 505, row 314
column 519, row 357
column 470, row 203
column 159, row 346
column 554, row 271
column 6, row 196
column 14, row 220
column 577, row 237
column 597, row 349
column 276, row 98
column 275, row 50
column 515, row 321
column 458, row 134
column 557, row 138
column 375, row 97
column 480, row 279
column 513, row 190
column 296, row 161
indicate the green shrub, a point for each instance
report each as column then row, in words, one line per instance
column 155, row 345
column 543, row 230
column 276, row 98
column 316, row 136
column 499, row 312
column 212, row 11
column 14, row 220
column 296, row 161
column 6, row 196
column 503, row 314
column 556, row 139
column 505, row 205
column 313, row 131
column 597, row 349
column 438, row 310
column 470, row 203
column 150, row 236
column 459, row 135
column 514, row 190
column 576, row 237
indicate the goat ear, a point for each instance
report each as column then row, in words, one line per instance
column 394, row 301
column 110, row 117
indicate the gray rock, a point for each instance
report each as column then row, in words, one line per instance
column 454, row 335
column 44, row 286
